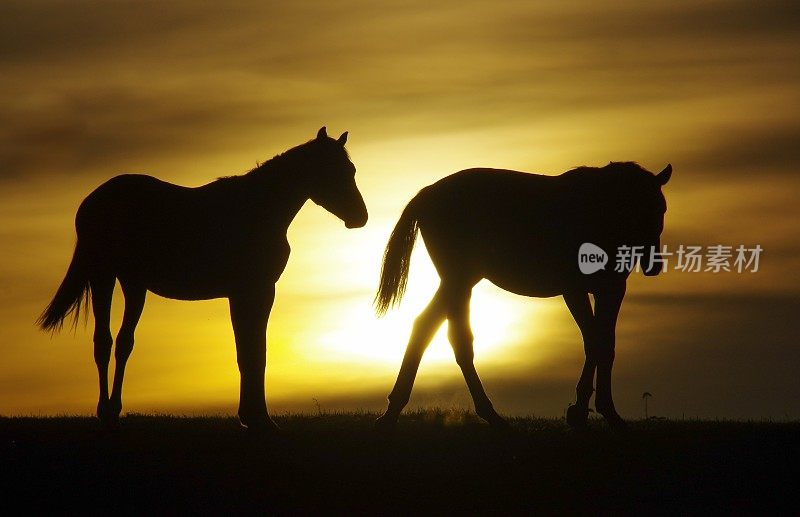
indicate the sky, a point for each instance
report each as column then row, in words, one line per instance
column 189, row 91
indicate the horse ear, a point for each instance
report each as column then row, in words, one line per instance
column 322, row 133
column 663, row 177
column 342, row 139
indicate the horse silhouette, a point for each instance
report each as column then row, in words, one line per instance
column 225, row 239
column 523, row 232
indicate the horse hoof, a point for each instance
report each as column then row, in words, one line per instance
column 615, row 422
column 108, row 415
column 109, row 423
column 496, row 421
column 263, row 426
column 385, row 423
column 577, row 418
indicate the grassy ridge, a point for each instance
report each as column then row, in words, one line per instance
column 436, row 461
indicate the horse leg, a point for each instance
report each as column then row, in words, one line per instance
column 102, row 289
column 461, row 339
column 581, row 309
column 134, row 303
column 608, row 303
column 425, row 327
column 249, row 315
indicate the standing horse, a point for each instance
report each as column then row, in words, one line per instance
column 226, row 239
column 523, row 233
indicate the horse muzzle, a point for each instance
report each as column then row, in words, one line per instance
column 357, row 222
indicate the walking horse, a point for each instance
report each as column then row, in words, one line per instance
column 523, row 233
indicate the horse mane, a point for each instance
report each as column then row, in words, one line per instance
column 277, row 162
column 627, row 168
column 615, row 173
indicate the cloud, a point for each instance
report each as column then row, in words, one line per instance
column 96, row 88
column 116, row 81
column 760, row 151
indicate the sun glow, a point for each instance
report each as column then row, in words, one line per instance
column 358, row 336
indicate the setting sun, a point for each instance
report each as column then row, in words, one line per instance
column 360, row 337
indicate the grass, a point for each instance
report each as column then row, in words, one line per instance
column 437, row 461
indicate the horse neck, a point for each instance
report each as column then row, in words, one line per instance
column 282, row 192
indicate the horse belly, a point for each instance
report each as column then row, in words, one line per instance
column 193, row 275
column 534, row 278
column 185, row 285
column 521, row 257
column 171, row 269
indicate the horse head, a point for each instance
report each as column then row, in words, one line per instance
column 651, row 219
column 332, row 183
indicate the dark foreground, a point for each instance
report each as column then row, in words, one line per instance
column 436, row 462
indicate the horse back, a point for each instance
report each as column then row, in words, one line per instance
column 519, row 230
column 181, row 242
column 499, row 203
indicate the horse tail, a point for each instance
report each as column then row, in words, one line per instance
column 397, row 259
column 71, row 295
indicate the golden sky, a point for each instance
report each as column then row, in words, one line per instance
column 188, row 92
